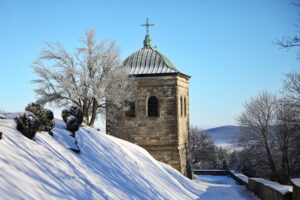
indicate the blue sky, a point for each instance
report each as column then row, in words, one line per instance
column 226, row 46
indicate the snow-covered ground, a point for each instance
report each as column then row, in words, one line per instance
column 222, row 187
column 106, row 168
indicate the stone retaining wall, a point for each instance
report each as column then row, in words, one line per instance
column 266, row 191
column 212, row 172
column 296, row 188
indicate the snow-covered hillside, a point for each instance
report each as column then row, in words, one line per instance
column 223, row 136
column 106, row 168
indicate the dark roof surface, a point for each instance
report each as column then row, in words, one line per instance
column 148, row 60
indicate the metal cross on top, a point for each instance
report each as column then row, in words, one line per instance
column 147, row 26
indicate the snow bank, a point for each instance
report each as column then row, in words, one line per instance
column 107, row 168
column 283, row 189
column 240, row 176
column 296, row 181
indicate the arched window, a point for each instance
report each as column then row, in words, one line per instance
column 152, row 107
column 184, row 106
column 181, row 106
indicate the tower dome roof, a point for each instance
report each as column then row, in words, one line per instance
column 148, row 60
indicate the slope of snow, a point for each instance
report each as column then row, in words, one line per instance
column 223, row 188
column 106, row 168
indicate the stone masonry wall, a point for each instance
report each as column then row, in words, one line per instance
column 164, row 136
column 183, row 120
column 296, row 188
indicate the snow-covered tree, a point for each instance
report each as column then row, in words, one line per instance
column 92, row 77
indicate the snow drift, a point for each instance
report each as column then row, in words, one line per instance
column 106, row 168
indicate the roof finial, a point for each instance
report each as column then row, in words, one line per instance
column 147, row 40
column 147, row 26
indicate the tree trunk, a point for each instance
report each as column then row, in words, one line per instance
column 270, row 159
column 94, row 112
column 85, row 112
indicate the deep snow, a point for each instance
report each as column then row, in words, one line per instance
column 223, row 188
column 106, row 168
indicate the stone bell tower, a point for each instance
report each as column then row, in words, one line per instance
column 158, row 120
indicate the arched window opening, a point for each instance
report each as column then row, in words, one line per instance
column 184, row 100
column 152, row 107
column 181, row 107
column 131, row 110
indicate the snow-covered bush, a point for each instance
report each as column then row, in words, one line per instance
column 72, row 123
column 37, row 110
column 73, row 117
column 49, row 120
column 73, row 110
column 65, row 114
column 28, row 124
column 46, row 116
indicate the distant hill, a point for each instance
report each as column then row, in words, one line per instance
column 224, row 135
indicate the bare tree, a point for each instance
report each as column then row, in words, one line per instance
column 288, row 42
column 270, row 138
column 90, row 78
column 291, row 87
column 201, row 147
column 223, row 158
column 288, row 127
column 258, row 119
column 271, row 133
column 287, row 139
